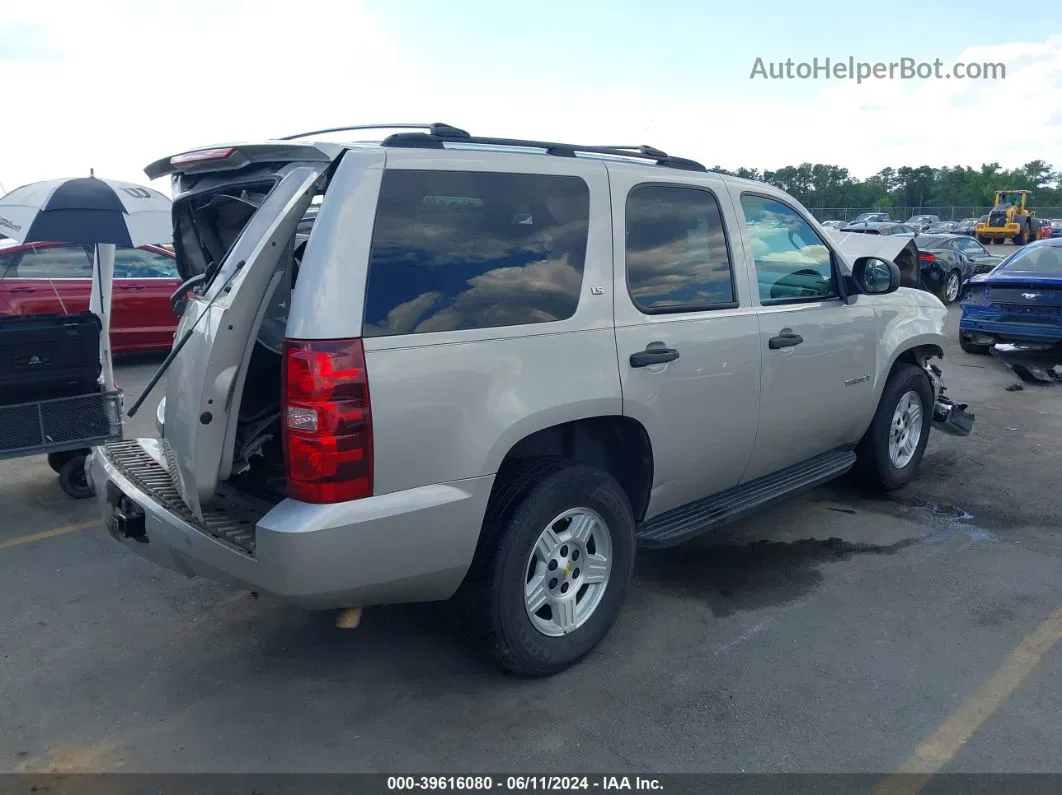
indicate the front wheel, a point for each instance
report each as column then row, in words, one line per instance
column 893, row 446
column 554, row 567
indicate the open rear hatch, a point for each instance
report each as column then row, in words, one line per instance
column 235, row 214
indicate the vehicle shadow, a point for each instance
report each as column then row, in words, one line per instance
column 730, row 577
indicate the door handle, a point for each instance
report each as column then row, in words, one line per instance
column 653, row 355
column 22, row 289
column 787, row 339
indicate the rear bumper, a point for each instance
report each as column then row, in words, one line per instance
column 1010, row 332
column 409, row 546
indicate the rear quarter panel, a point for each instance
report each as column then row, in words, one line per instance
column 450, row 405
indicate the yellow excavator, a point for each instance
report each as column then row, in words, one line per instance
column 1009, row 219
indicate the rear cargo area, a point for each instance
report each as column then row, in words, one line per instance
column 207, row 228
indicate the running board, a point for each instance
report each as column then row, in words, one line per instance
column 688, row 521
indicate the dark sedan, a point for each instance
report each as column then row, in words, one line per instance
column 1018, row 302
column 967, row 226
column 949, row 260
column 940, row 228
column 880, row 228
column 923, row 222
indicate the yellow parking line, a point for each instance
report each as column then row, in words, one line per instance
column 59, row 531
column 942, row 746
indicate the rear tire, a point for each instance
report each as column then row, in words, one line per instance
column 532, row 553
column 892, row 448
column 950, row 288
column 74, row 480
column 972, row 347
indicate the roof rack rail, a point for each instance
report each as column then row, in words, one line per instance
column 645, row 149
column 441, row 134
column 434, row 128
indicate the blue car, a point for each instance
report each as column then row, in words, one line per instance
column 1019, row 301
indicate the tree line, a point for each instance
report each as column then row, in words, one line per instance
column 817, row 185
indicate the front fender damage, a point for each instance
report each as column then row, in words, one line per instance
column 949, row 417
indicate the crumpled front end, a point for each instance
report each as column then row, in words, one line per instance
column 949, row 417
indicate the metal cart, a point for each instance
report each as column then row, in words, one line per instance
column 65, row 429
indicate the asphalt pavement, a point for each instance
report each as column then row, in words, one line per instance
column 837, row 632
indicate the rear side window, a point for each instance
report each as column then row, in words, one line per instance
column 456, row 250
column 135, row 263
column 677, row 254
column 54, row 262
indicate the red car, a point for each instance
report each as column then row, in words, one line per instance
column 56, row 278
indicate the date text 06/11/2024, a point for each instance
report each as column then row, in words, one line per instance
column 542, row 783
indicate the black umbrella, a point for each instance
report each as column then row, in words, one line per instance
column 88, row 211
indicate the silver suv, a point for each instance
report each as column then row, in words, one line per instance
column 488, row 369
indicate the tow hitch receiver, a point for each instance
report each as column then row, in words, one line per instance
column 127, row 518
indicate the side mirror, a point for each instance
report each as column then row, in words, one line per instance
column 874, row 276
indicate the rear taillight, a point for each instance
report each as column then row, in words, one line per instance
column 925, row 258
column 327, row 421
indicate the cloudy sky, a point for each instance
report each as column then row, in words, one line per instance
column 114, row 84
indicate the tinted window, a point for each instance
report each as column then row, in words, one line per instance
column 134, row 263
column 925, row 241
column 1036, row 259
column 792, row 261
column 677, row 256
column 463, row 250
column 55, row 262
